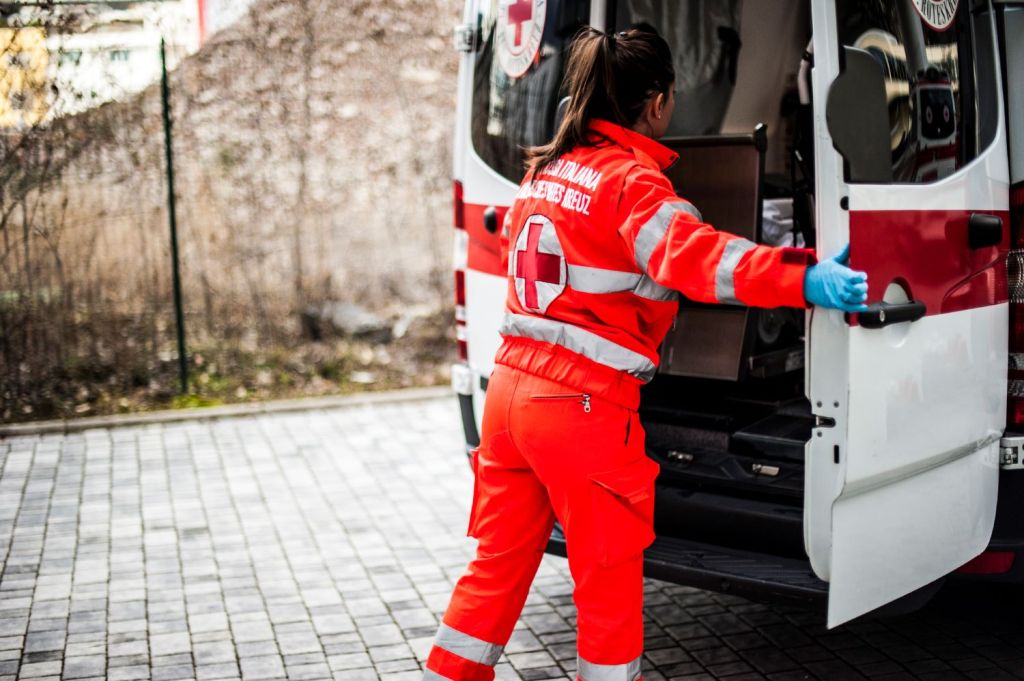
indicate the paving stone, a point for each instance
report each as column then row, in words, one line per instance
column 220, row 670
column 402, row 665
column 132, row 673
column 410, row 675
column 348, row 661
column 311, row 545
column 37, row 669
column 169, row 644
column 263, row 667
column 309, row 671
column 209, row 653
column 304, row 658
column 84, row 666
column 540, row 658
column 298, row 643
column 365, row 674
column 173, row 672
column 177, row 659
column 41, row 641
column 128, row 660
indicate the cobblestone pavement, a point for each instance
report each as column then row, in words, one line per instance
column 324, row 544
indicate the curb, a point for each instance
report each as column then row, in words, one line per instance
column 225, row 411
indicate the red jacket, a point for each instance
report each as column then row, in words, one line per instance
column 597, row 245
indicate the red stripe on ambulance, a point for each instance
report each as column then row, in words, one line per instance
column 942, row 272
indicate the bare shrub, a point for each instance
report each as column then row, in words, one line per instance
column 312, row 154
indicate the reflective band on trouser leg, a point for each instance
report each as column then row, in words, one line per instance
column 586, row 343
column 448, row 665
column 725, row 287
column 461, row 657
column 653, row 231
column 588, row 671
column 469, row 647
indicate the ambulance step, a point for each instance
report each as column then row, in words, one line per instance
column 755, row 575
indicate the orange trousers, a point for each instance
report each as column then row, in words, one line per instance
column 551, row 452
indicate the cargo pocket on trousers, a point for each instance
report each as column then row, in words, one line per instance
column 474, row 462
column 623, row 510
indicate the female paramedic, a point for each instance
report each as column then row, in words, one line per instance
column 597, row 246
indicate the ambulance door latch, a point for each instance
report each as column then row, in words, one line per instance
column 1011, row 453
column 984, row 231
column 465, row 37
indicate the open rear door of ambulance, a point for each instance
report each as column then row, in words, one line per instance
column 910, row 399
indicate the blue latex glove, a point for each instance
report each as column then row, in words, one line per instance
column 832, row 284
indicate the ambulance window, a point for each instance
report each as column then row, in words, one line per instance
column 518, row 76
column 925, row 50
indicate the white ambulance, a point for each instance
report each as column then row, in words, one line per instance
column 853, row 459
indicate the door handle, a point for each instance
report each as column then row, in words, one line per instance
column 884, row 314
column 984, row 230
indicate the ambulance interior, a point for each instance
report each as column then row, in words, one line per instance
column 726, row 417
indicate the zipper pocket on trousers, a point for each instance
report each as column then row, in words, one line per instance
column 583, row 398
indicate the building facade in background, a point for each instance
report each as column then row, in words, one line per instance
column 72, row 58
column 215, row 15
column 24, row 65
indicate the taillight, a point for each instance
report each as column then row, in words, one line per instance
column 989, row 563
column 459, row 259
column 460, row 314
column 460, row 295
column 460, row 339
column 458, row 206
column 1015, row 280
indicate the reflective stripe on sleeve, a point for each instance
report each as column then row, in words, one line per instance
column 586, row 343
column 654, row 230
column 466, row 646
column 588, row 671
column 725, row 285
column 652, row 290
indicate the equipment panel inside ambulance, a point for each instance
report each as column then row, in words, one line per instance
column 848, row 460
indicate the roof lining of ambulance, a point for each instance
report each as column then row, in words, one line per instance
column 773, row 37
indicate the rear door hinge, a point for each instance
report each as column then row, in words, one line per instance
column 1011, row 452
column 465, row 37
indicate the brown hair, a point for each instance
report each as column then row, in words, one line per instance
column 610, row 77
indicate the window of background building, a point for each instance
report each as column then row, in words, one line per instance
column 72, row 57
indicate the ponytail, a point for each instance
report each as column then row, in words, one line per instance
column 609, row 77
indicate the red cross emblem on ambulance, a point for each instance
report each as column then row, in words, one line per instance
column 519, row 34
column 538, row 264
column 519, row 12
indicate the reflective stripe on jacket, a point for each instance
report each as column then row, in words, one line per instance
column 598, row 244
